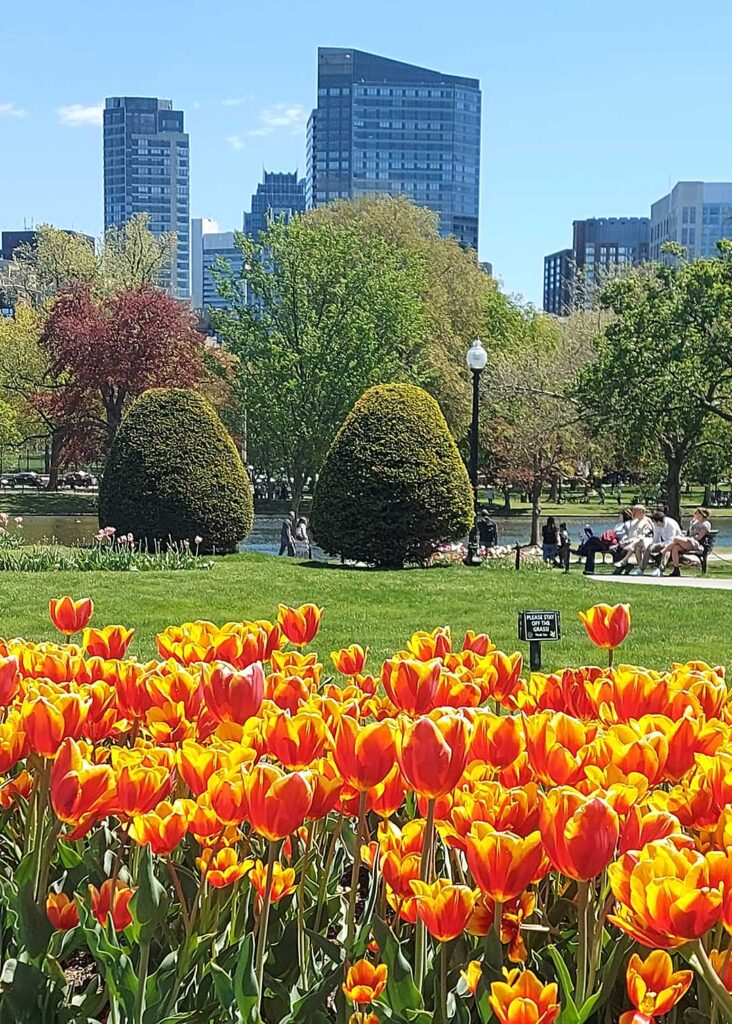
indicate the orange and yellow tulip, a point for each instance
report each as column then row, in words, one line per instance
column 227, row 793
column 413, row 686
column 607, row 626
column 80, row 790
column 296, row 740
column 283, row 881
column 111, row 902
column 523, row 999
column 300, row 625
column 141, row 787
column 222, row 867
column 654, row 987
column 364, row 754
column 349, row 661
column 504, row 864
column 62, row 911
column 69, row 616
column 110, row 643
column 233, row 695
column 580, row 834
column 364, row 983
column 9, row 679
column 444, row 908
column 277, row 801
column 162, row 828
column 497, row 739
column 664, row 893
column 51, row 717
column 432, row 753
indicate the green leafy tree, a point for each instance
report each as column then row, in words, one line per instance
column 659, row 371
column 461, row 301
column 531, row 428
column 318, row 314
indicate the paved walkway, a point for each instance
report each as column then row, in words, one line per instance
column 702, row 582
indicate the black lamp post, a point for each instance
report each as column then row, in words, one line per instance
column 476, row 359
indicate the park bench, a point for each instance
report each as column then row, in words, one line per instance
column 702, row 557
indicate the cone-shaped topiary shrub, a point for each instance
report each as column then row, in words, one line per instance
column 393, row 486
column 174, row 473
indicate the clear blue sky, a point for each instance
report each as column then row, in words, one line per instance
column 589, row 109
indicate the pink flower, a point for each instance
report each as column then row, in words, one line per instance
column 197, row 539
column 18, row 520
column 130, row 538
column 122, row 539
column 3, row 518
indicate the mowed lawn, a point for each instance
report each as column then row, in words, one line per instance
column 382, row 609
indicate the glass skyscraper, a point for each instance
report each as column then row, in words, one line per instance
column 382, row 126
column 147, row 170
column 279, row 194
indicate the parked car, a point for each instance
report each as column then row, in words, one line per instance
column 79, row 478
column 25, row 479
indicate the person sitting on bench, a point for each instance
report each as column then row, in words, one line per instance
column 699, row 528
column 665, row 529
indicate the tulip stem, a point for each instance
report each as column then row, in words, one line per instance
column 355, row 871
column 610, row 654
column 263, row 922
column 583, row 904
column 498, row 919
column 180, row 894
column 716, row 987
column 302, row 943
column 142, row 980
column 326, row 869
column 443, row 983
column 38, row 844
column 425, row 875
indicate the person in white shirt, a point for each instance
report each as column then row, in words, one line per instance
column 665, row 529
column 639, row 528
column 699, row 528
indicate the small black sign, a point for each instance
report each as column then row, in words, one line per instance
column 538, row 626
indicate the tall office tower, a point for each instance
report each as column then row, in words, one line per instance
column 599, row 245
column 147, row 170
column 382, row 126
column 698, row 214
column 279, row 194
column 558, row 282
column 208, row 243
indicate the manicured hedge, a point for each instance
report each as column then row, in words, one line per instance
column 174, row 473
column 393, row 486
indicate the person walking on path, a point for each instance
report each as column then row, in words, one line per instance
column 302, row 540
column 287, row 537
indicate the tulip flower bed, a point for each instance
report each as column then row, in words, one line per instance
column 236, row 832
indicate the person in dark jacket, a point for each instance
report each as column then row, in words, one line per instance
column 287, row 535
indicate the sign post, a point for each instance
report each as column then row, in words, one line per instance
column 538, row 628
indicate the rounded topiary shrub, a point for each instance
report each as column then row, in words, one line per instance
column 393, row 486
column 174, row 474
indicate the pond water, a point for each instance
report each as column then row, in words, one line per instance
column 265, row 535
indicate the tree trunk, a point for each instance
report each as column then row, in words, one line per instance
column 506, row 499
column 57, row 440
column 535, row 511
column 673, row 486
column 707, row 499
column 114, row 418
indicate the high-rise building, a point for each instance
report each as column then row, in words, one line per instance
column 599, row 245
column 558, row 278
column 697, row 214
column 208, row 243
column 382, row 126
column 147, row 170
column 279, row 194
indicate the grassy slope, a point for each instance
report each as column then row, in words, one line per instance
column 382, row 609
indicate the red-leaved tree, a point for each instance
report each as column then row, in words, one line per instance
column 112, row 350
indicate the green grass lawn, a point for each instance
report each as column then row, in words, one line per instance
column 382, row 609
